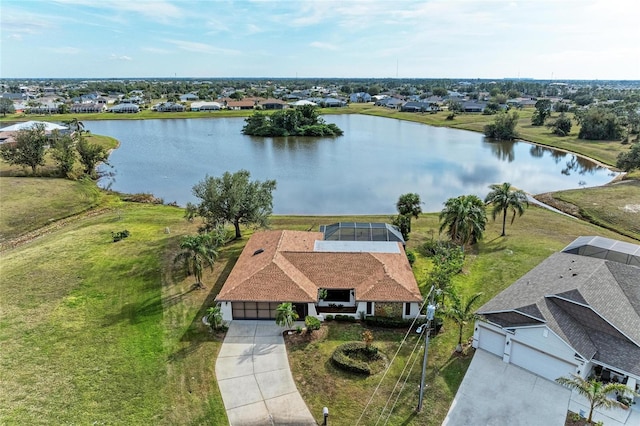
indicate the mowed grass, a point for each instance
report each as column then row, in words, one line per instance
column 96, row 332
column 31, row 203
column 615, row 206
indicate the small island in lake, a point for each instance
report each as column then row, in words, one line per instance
column 300, row 121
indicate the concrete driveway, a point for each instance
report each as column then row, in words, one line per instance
column 494, row 393
column 255, row 380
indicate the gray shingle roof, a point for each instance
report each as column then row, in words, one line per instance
column 589, row 302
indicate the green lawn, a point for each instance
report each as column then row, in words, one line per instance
column 615, row 206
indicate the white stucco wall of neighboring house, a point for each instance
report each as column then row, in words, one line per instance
column 311, row 310
column 414, row 310
column 536, row 349
column 226, row 310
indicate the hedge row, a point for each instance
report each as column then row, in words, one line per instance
column 341, row 357
column 387, row 322
column 340, row 317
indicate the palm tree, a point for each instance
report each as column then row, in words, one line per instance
column 465, row 218
column 596, row 392
column 198, row 251
column 503, row 197
column 408, row 205
column 214, row 316
column 460, row 312
column 286, row 315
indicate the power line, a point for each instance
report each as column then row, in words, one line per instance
column 402, row 388
column 391, row 363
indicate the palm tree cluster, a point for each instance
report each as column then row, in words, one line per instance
column 199, row 251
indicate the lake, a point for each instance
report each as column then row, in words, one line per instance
column 362, row 172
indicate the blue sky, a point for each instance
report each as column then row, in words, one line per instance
column 543, row 39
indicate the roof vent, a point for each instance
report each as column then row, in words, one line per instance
column 258, row 251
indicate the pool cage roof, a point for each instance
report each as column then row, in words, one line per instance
column 605, row 248
column 361, row 231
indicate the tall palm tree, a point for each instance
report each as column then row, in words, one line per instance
column 408, row 205
column 461, row 312
column 464, row 218
column 503, row 198
column 198, row 251
column 286, row 315
column 596, row 392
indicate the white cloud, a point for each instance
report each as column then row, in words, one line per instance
column 155, row 50
column 192, row 46
column 115, row 57
column 161, row 11
column 323, row 46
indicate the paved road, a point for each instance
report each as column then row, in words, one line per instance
column 255, row 380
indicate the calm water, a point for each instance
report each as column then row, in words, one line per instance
column 362, row 172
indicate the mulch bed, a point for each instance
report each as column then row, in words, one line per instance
column 579, row 422
column 304, row 337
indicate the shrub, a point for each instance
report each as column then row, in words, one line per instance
column 345, row 318
column 312, row 323
column 342, row 357
column 328, row 317
column 387, row 322
column 117, row 236
column 411, row 257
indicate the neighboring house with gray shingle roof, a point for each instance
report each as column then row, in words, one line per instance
column 578, row 312
column 371, row 277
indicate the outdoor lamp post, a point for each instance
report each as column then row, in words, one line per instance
column 325, row 414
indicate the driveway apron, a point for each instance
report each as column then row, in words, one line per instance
column 255, row 380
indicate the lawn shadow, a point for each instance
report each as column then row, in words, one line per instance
column 453, row 370
column 136, row 313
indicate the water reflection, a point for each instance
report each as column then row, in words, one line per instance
column 362, row 172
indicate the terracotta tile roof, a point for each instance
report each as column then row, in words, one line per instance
column 287, row 269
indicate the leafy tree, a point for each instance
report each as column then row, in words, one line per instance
column 439, row 91
column 561, row 126
column 597, row 393
column 629, row 161
column 197, row 252
column 561, row 107
column 408, row 205
column 90, row 155
column 504, row 127
column 460, row 311
column 233, row 198
column 28, row 150
column 503, row 198
column 6, row 106
column 286, row 315
column 491, row 108
column 403, row 223
column 63, row 153
column 464, row 218
column 447, row 262
column 599, row 124
column 454, row 106
column 542, row 112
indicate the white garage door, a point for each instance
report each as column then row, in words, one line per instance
column 540, row 363
column 491, row 341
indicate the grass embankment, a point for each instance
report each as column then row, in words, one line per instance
column 96, row 331
column 615, row 206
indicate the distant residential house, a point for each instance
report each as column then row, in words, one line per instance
column 206, row 106
column 240, row 105
column 577, row 312
column 14, row 96
column 414, row 106
column 333, row 103
column 87, row 108
column 189, row 97
column 169, row 107
column 473, row 106
column 125, row 108
column 360, row 97
column 272, row 104
column 44, row 108
column 390, row 102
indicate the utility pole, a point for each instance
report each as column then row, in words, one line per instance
column 431, row 310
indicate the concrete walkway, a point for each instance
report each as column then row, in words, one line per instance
column 255, row 380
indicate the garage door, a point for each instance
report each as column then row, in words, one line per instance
column 491, row 341
column 254, row 310
column 540, row 363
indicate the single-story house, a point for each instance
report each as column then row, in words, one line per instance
column 416, row 106
column 206, row 106
column 125, row 108
column 242, row 104
column 473, row 106
column 188, row 97
column 356, row 278
column 87, row 108
column 578, row 312
column 359, row 97
column 169, row 107
column 272, row 104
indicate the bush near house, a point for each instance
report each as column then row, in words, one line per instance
column 312, row 323
column 346, row 357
